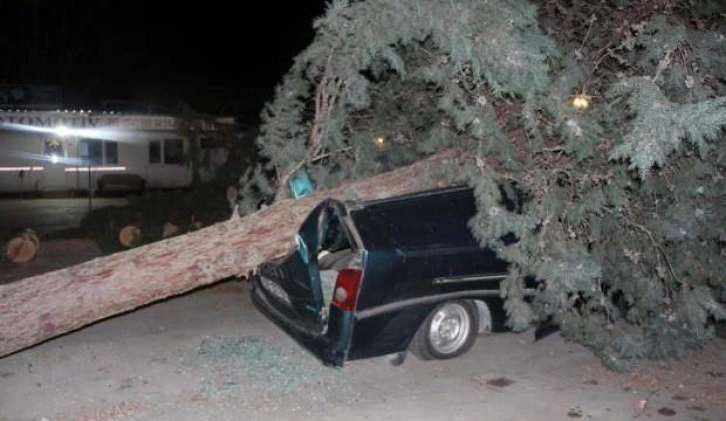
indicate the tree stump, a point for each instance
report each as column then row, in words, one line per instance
column 129, row 236
column 169, row 230
column 24, row 247
column 232, row 194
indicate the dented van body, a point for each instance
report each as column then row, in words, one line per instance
column 381, row 277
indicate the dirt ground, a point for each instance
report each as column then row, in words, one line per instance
column 209, row 355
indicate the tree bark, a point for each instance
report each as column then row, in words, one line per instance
column 41, row 307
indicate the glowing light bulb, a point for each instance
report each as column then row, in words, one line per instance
column 61, row 131
column 581, row 102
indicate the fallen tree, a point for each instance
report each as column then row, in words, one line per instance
column 610, row 118
column 613, row 130
column 42, row 307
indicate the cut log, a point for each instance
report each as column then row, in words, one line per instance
column 23, row 247
column 129, row 236
column 21, row 250
column 41, row 307
column 169, row 230
column 232, row 193
column 32, row 236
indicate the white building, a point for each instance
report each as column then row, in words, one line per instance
column 44, row 151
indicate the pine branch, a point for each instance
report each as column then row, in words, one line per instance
column 655, row 244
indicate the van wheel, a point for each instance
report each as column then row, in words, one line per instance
column 449, row 331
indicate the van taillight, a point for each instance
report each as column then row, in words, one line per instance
column 346, row 289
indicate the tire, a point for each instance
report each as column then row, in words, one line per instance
column 449, row 331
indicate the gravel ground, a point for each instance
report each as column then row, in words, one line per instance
column 209, row 355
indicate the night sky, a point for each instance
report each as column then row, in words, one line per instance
column 209, row 53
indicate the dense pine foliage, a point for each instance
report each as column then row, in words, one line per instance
column 608, row 115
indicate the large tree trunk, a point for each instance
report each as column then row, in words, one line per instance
column 41, row 307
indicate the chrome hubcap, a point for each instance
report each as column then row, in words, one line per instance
column 449, row 328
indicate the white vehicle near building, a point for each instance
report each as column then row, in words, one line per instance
column 61, row 151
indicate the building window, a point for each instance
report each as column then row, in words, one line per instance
column 92, row 152
column 98, row 152
column 155, row 152
column 173, row 151
column 111, row 153
column 211, row 143
column 168, row 151
column 53, row 149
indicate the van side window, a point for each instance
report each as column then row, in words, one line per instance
column 438, row 221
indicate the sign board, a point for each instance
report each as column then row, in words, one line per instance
column 51, row 120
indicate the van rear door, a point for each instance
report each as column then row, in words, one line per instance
column 295, row 280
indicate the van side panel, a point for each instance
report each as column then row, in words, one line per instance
column 415, row 247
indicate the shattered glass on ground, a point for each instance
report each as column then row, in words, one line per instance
column 254, row 362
